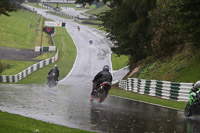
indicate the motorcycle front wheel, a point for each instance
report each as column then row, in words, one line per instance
column 188, row 110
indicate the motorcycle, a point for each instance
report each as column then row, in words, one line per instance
column 193, row 106
column 102, row 91
column 90, row 42
column 78, row 27
column 51, row 80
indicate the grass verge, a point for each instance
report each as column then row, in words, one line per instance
column 17, row 32
column 18, row 124
column 15, row 66
column 35, row 5
column 45, row 39
column 146, row 98
column 96, row 11
column 119, row 62
column 67, row 55
column 45, row 55
column 66, row 17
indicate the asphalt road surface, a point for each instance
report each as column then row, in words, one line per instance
column 18, row 54
column 68, row 103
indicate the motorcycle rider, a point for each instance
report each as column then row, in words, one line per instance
column 101, row 77
column 193, row 91
column 54, row 70
column 78, row 27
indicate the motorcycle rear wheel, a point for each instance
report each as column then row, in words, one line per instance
column 188, row 110
column 101, row 97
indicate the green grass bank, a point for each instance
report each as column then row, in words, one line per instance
column 119, row 62
column 183, row 66
column 10, row 123
column 35, row 5
column 96, row 11
column 18, row 30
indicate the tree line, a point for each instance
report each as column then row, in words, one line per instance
column 151, row 28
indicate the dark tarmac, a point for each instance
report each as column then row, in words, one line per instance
column 70, row 106
column 18, row 54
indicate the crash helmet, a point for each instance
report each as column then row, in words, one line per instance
column 105, row 68
column 197, row 85
column 55, row 66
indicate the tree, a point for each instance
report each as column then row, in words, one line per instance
column 84, row 1
column 175, row 23
column 189, row 20
column 164, row 25
column 8, row 6
column 129, row 27
column 89, row 1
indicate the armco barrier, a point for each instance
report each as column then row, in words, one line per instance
column 53, row 10
column 164, row 89
column 50, row 48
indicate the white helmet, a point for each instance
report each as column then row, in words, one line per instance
column 197, row 85
column 55, row 66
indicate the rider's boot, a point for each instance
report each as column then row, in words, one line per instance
column 91, row 97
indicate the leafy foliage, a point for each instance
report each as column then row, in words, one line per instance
column 128, row 26
column 84, row 1
column 175, row 23
column 189, row 19
column 8, row 6
column 164, row 25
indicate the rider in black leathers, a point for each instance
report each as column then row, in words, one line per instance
column 54, row 70
column 101, row 77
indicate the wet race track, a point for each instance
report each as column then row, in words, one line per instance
column 70, row 106
column 68, row 103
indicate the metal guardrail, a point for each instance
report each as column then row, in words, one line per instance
column 163, row 89
column 55, row 11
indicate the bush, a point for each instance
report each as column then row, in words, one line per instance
column 4, row 66
column 164, row 26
